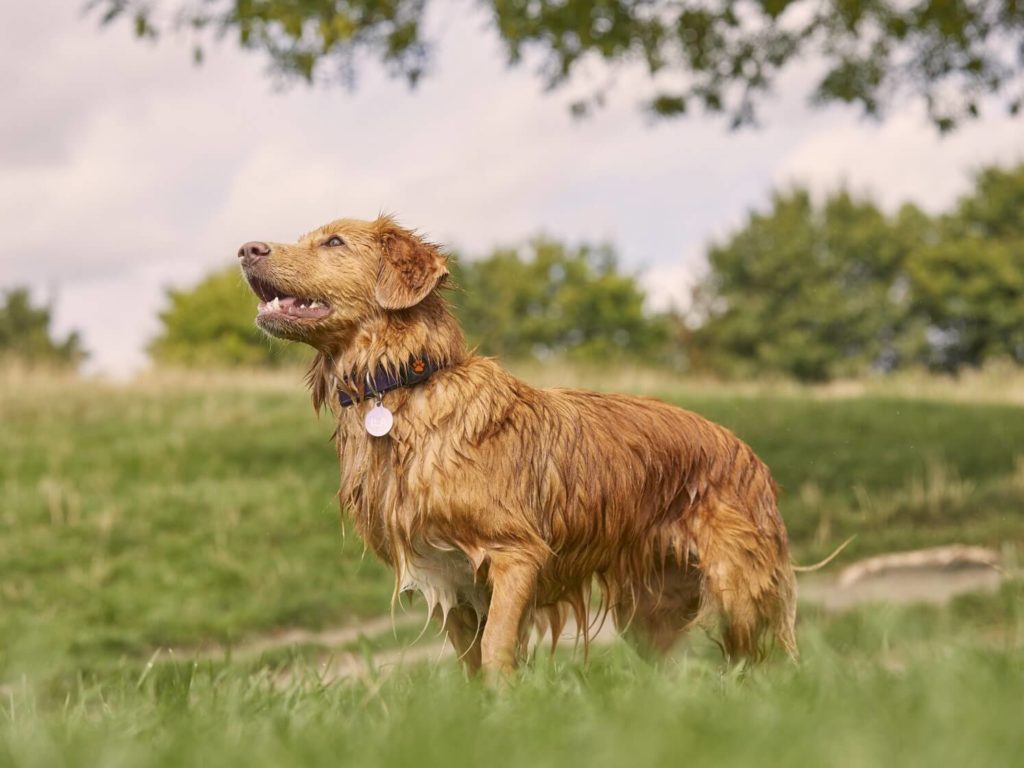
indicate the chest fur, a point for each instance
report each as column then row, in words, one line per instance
column 397, row 491
column 443, row 575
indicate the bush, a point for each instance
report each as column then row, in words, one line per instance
column 549, row 301
column 26, row 336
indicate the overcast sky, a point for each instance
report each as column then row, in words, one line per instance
column 125, row 169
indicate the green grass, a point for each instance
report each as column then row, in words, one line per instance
column 179, row 512
column 189, row 511
column 155, row 517
column 915, row 686
column 898, row 473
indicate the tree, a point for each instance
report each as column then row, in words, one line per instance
column 211, row 324
column 817, row 291
column 722, row 56
column 549, row 301
column 968, row 276
column 810, row 292
column 26, row 336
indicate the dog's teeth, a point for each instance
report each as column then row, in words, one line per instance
column 314, row 304
column 276, row 303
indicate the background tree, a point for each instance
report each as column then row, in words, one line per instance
column 719, row 55
column 838, row 289
column 547, row 300
column 212, row 324
column 808, row 292
column 968, row 275
column 26, row 336
column 803, row 289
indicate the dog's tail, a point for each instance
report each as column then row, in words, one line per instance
column 822, row 563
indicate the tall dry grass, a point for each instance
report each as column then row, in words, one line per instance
column 996, row 383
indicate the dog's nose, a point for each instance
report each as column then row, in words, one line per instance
column 252, row 252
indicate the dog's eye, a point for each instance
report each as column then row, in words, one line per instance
column 333, row 241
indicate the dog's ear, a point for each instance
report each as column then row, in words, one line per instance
column 409, row 268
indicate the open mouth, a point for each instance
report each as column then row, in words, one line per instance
column 277, row 304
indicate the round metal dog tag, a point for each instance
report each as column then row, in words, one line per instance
column 378, row 421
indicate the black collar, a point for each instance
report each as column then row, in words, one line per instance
column 416, row 371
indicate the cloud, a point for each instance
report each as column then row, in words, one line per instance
column 903, row 159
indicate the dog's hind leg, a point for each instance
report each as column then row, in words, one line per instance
column 653, row 617
column 465, row 632
column 749, row 579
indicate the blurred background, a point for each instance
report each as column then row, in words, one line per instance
column 870, row 148
column 802, row 219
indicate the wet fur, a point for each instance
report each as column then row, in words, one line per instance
column 504, row 503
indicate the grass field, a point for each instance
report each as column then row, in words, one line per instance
column 184, row 511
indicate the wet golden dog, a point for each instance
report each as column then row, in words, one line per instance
column 503, row 504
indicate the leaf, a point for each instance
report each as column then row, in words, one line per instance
column 729, row 55
column 667, row 105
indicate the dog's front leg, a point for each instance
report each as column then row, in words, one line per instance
column 513, row 590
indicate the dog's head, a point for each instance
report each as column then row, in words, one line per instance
column 339, row 276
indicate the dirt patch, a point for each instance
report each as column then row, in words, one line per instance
column 934, row 575
column 928, row 584
column 923, row 576
column 900, row 580
column 334, row 637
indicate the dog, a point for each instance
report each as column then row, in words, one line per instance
column 503, row 503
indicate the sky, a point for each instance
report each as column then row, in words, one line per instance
column 126, row 169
